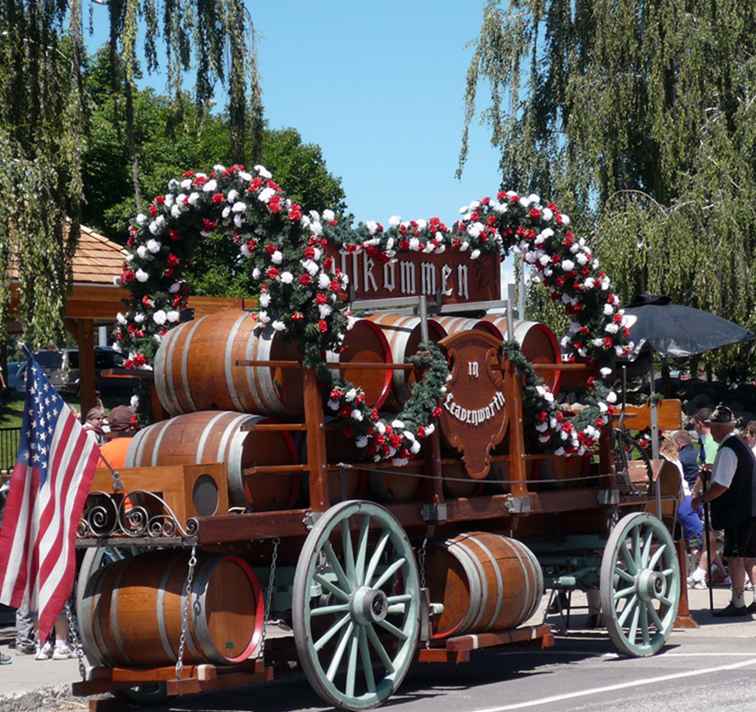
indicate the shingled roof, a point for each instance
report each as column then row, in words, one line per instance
column 97, row 259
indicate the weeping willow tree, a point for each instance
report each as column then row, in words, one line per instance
column 640, row 118
column 43, row 121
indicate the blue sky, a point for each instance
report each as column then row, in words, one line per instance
column 379, row 87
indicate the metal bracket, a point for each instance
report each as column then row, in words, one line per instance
column 518, row 505
column 435, row 513
column 608, row 496
column 311, row 518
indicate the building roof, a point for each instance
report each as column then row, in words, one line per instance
column 97, row 259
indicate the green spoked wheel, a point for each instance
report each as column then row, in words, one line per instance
column 355, row 606
column 640, row 585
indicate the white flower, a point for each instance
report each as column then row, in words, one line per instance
column 141, row 252
column 329, row 215
column 397, row 425
column 316, row 228
column 238, row 220
column 603, row 407
column 611, row 328
column 141, row 275
column 581, row 259
column 415, row 448
column 524, row 202
column 193, row 198
column 256, row 274
column 500, row 207
column 350, row 395
column 380, row 427
column 608, row 309
column 173, row 184
column 475, row 254
column 211, row 186
column 544, row 260
column 611, row 397
column 277, row 257
column 421, row 224
column 394, row 220
column 263, row 172
column 287, row 277
column 534, row 199
column 134, row 402
column 565, row 219
column 219, row 168
column 226, row 212
column 325, row 310
column 311, row 267
column 414, row 244
column 121, row 319
column 266, row 194
column 172, row 316
column 463, row 209
column 464, row 246
column 429, row 429
column 264, row 299
column 239, row 207
column 159, row 317
column 141, row 219
column 356, row 415
column 324, row 281
column 279, row 326
column 262, row 317
column 546, row 214
column 334, row 405
column 372, row 226
column 568, row 265
column 232, row 195
column 474, row 229
column 548, row 396
column 138, row 318
column 186, row 184
column 605, row 371
column 176, row 211
column 117, row 281
column 246, row 177
column 361, row 441
column 153, row 246
column 245, row 250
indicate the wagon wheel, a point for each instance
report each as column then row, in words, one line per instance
column 94, row 560
column 364, row 641
column 640, row 585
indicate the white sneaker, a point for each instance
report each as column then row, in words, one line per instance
column 698, row 585
column 62, row 652
column 44, row 652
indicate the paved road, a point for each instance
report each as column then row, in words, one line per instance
column 711, row 669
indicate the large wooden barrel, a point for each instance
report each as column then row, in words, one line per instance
column 217, row 436
column 404, row 336
column 365, row 342
column 130, row 613
column 455, row 324
column 195, row 367
column 486, row 582
column 538, row 343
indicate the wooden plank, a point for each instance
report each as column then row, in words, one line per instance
column 527, row 634
column 158, row 674
column 517, row 469
column 191, row 686
column 275, row 469
column 272, row 427
column 256, row 525
column 442, row 655
column 316, row 444
column 638, row 417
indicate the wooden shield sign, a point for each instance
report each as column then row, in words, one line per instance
column 474, row 414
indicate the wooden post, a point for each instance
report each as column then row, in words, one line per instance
column 316, row 444
column 83, row 331
column 517, row 471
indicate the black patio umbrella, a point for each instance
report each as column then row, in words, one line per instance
column 678, row 331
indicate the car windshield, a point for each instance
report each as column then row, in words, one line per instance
column 49, row 359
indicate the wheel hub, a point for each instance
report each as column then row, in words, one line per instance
column 651, row 584
column 369, row 605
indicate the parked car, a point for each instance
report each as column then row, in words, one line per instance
column 62, row 368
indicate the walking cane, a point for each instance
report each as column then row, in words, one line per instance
column 707, row 532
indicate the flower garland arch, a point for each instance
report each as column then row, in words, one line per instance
column 304, row 294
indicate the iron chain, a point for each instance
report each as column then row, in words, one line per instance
column 73, row 630
column 185, row 611
column 269, row 597
column 421, row 560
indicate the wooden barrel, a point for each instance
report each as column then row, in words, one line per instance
column 365, row 342
column 455, row 324
column 538, row 343
column 216, row 436
column 195, row 367
column 486, row 582
column 130, row 613
column 396, row 484
column 404, row 336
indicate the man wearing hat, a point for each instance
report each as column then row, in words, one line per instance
column 122, row 422
column 731, row 494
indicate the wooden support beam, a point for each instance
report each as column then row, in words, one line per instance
column 83, row 331
column 316, row 444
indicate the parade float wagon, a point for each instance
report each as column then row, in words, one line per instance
column 377, row 461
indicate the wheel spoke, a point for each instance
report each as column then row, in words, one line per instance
column 624, row 592
column 335, row 628
column 352, row 665
column 657, row 555
column 634, row 626
column 636, row 549
column 655, row 617
column 378, row 647
column 362, row 548
column 335, row 590
column 627, row 557
column 624, row 574
column 336, row 566
column 389, row 572
column 665, row 600
column 399, row 598
column 346, row 546
column 376, row 557
column 647, row 549
column 327, row 610
column 626, row 610
column 391, row 628
column 367, row 661
column 644, row 625
column 339, row 652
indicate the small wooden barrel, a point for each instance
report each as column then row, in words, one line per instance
column 195, row 367
column 216, row 436
column 365, row 342
column 455, row 324
column 538, row 343
column 131, row 611
column 404, row 336
column 486, row 582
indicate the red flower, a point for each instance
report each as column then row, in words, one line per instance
column 188, row 174
column 336, row 394
column 328, row 263
column 608, row 342
column 255, row 185
column 374, row 415
column 514, row 198
column 305, row 280
column 251, row 245
column 321, row 298
column 173, row 234
column 153, row 210
column 127, row 276
column 200, row 181
column 274, row 204
column 273, row 184
column 420, row 433
column 534, row 213
column 309, row 252
column 323, row 326
column 501, row 195
column 436, row 411
column 160, row 199
column 168, row 273
column 173, row 260
column 335, row 285
column 542, row 416
column 295, row 213
column 485, row 201
column 272, row 272
column 208, row 225
column 218, row 198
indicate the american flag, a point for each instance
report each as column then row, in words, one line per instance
column 54, row 468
